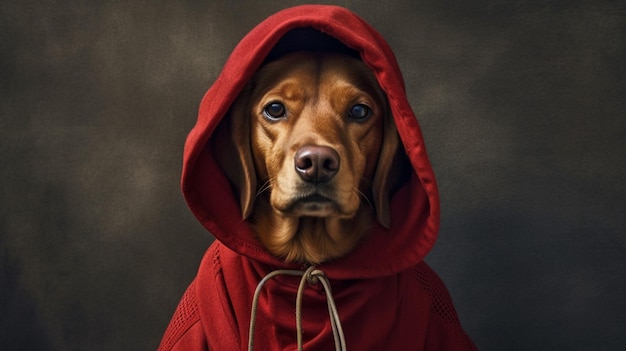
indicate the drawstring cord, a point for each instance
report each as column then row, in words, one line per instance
column 312, row 276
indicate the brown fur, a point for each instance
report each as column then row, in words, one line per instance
column 318, row 92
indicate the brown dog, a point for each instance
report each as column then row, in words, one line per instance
column 312, row 155
column 293, row 166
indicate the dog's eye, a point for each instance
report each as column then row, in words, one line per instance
column 360, row 112
column 274, row 110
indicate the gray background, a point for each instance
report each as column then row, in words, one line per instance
column 522, row 104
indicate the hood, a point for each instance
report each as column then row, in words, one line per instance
column 414, row 207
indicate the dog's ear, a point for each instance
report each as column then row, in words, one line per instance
column 234, row 154
column 392, row 170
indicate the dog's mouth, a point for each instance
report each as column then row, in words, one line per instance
column 314, row 198
column 312, row 205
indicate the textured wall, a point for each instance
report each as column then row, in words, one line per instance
column 522, row 105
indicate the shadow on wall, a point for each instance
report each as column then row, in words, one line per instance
column 24, row 327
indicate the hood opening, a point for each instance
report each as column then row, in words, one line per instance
column 308, row 39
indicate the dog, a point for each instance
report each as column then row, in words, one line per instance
column 314, row 155
column 308, row 166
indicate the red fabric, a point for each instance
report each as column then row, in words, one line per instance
column 387, row 297
column 411, row 310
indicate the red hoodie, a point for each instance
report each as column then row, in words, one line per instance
column 386, row 297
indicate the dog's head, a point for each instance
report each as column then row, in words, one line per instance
column 313, row 150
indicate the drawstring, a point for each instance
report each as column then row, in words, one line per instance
column 312, row 276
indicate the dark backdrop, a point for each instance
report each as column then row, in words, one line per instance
column 522, row 105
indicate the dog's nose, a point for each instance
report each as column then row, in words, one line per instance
column 316, row 164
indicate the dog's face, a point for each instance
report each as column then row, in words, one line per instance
column 316, row 131
column 316, row 144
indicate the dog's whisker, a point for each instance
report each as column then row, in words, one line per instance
column 361, row 194
column 369, row 184
column 266, row 186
